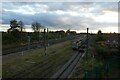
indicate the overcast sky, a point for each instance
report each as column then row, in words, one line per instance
column 63, row 15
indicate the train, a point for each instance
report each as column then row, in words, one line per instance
column 76, row 45
column 79, row 45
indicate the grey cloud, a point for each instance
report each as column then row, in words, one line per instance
column 63, row 6
column 56, row 20
column 53, row 20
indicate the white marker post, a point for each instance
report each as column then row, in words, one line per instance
column 28, row 40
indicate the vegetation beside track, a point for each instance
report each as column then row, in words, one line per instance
column 15, row 39
column 86, row 64
column 35, row 64
column 102, row 60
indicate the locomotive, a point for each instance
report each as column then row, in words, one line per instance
column 79, row 45
column 76, row 45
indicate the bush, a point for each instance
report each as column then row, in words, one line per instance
column 99, row 38
column 103, row 53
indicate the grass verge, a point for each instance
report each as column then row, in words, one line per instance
column 35, row 64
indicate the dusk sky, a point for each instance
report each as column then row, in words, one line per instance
column 63, row 15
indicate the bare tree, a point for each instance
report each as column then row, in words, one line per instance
column 13, row 25
column 36, row 26
column 21, row 26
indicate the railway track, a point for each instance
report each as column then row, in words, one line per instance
column 44, row 66
column 64, row 72
column 32, row 46
column 67, row 69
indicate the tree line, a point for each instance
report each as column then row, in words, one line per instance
column 17, row 34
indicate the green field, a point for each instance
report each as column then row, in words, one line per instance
column 34, row 64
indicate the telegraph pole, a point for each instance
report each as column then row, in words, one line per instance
column 21, row 41
column 39, row 34
column 45, row 42
column 86, row 54
column 47, row 37
column 87, row 43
